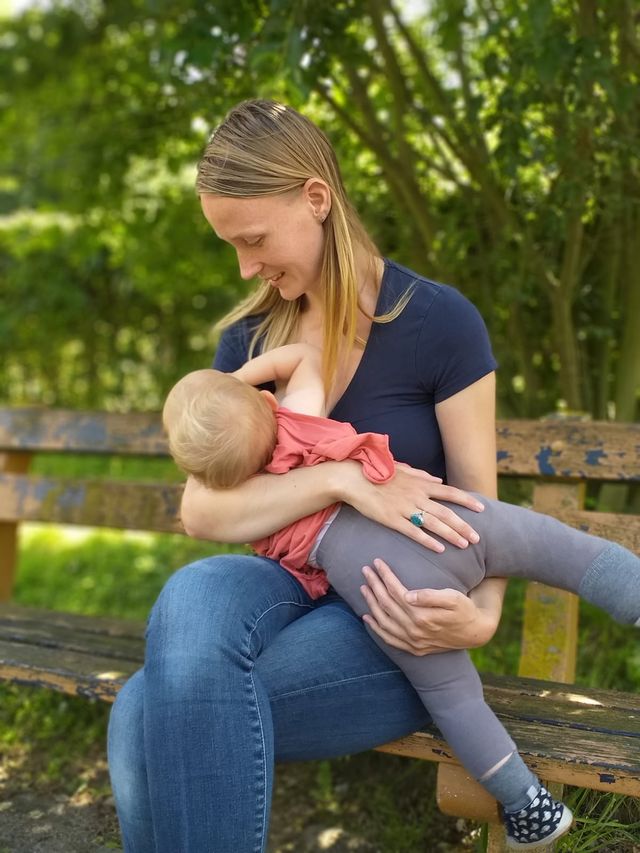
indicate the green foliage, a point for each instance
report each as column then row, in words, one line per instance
column 602, row 823
column 491, row 145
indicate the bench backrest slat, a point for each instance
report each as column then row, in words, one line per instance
column 621, row 528
column 570, row 450
column 96, row 503
column 81, row 432
column 552, row 448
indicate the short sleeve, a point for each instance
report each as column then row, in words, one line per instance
column 453, row 348
column 233, row 347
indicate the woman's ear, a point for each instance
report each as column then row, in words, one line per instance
column 271, row 400
column 318, row 195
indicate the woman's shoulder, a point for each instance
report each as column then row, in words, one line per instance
column 426, row 295
column 232, row 350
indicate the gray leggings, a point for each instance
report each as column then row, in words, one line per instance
column 514, row 542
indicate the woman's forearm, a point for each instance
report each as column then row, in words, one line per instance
column 261, row 505
column 488, row 597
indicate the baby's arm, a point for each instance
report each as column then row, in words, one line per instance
column 297, row 365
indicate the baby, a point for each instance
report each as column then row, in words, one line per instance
column 222, row 431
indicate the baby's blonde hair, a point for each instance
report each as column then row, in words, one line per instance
column 221, row 430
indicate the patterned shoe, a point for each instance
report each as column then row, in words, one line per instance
column 541, row 822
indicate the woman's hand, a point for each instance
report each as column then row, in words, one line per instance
column 411, row 491
column 424, row 621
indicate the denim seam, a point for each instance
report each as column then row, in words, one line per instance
column 263, row 820
column 334, row 684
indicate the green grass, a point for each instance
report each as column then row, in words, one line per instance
column 389, row 800
column 105, row 572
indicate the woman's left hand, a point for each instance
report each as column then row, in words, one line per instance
column 424, row 621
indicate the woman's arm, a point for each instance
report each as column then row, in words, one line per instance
column 426, row 621
column 258, row 507
column 269, row 502
column 296, row 366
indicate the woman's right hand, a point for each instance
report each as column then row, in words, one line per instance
column 410, row 491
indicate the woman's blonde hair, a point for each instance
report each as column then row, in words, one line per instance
column 221, row 430
column 266, row 148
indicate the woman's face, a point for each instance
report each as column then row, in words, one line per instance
column 278, row 238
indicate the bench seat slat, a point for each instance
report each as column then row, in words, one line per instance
column 129, row 506
column 540, row 689
column 70, row 639
column 73, row 672
column 598, row 761
column 559, row 751
column 104, row 625
column 568, row 733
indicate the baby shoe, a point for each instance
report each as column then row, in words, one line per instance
column 541, row 822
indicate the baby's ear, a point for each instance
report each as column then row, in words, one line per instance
column 271, row 400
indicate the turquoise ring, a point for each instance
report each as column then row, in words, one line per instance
column 417, row 518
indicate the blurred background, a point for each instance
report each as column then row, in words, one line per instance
column 489, row 144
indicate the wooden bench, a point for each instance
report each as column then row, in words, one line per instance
column 568, row 734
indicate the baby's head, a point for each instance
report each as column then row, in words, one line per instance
column 221, row 430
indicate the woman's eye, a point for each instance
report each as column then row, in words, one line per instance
column 253, row 243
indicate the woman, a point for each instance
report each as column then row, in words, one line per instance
column 242, row 667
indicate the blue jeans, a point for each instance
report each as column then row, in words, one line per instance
column 242, row 669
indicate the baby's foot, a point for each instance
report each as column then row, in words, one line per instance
column 541, row 822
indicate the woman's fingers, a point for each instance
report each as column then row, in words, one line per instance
column 394, row 640
column 390, row 616
column 391, row 583
column 383, row 605
column 437, row 518
column 422, row 621
column 451, row 528
column 414, row 494
column 441, row 599
column 451, row 494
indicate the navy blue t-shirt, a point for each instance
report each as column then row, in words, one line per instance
column 437, row 346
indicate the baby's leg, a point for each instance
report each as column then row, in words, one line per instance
column 519, row 542
column 447, row 683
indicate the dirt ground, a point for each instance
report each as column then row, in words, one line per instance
column 41, row 818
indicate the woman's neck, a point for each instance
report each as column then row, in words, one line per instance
column 369, row 271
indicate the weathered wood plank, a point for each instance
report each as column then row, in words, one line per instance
column 71, row 639
column 540, row 690
column 94, row 676
column 596, row 450
column 10, row 463
column 557, row 748
column 550, row 623
column 129, row 506
column 585, row 762
column 579, row 736
column 621, row 528
column 570, row 449
column 102, row 625
column 81, row 432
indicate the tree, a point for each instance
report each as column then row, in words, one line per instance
column 489, row 144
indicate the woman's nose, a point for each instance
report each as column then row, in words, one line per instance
column 248, row 267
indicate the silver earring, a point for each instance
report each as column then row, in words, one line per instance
column 323, row 217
